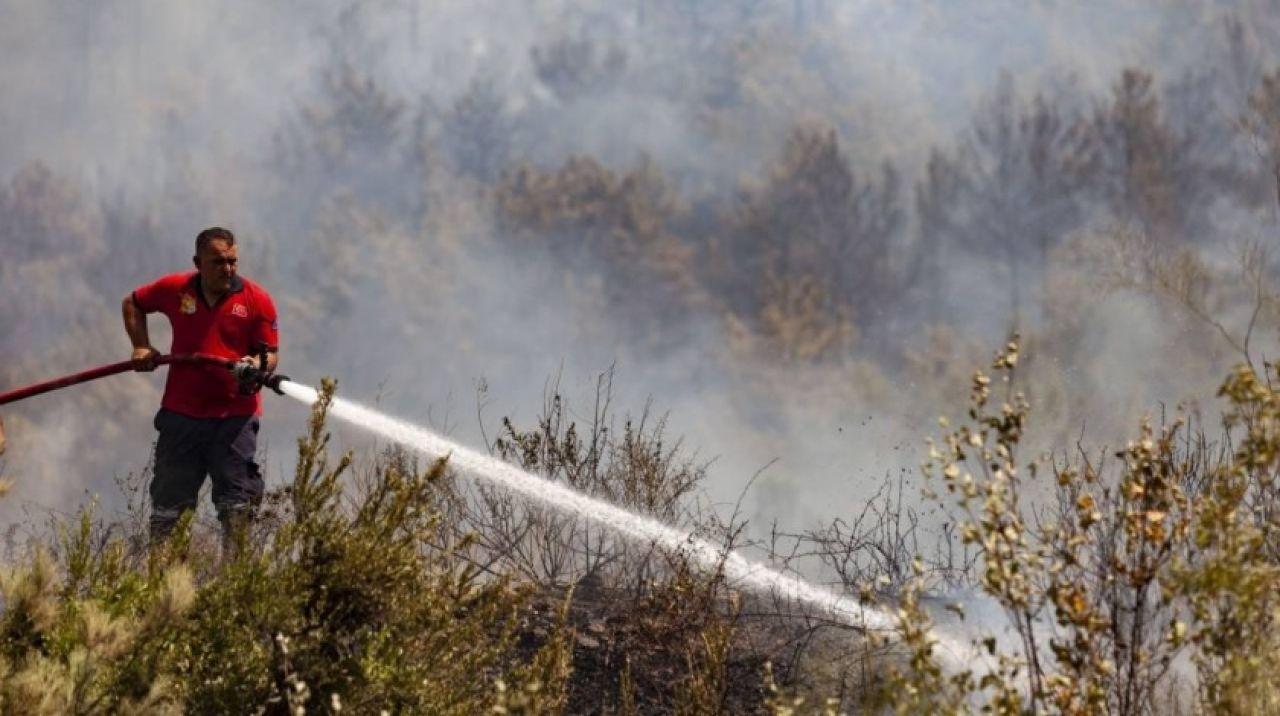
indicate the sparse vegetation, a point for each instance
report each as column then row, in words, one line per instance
column 1140, row 583
column 1107, row 545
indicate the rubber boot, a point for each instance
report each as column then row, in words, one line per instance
column 162, row 525
column 236, row 523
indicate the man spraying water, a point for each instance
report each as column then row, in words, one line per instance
column 208, row 424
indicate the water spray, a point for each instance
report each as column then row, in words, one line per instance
column 709, row 556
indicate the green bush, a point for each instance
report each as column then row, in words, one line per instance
column 343, row 605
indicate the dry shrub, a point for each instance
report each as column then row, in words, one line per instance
column 1143, row 567
column 634, row 467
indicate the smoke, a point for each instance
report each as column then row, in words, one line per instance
column 134, row 93
column 349, row 144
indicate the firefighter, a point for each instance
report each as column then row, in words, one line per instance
column 208, row 422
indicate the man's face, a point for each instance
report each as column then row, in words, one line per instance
column 217, row 265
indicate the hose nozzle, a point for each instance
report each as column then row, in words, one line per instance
column 273, row 381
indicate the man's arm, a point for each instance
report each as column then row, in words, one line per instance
column 135, row 324
column 265, row 331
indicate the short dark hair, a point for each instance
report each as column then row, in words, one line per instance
column 211, row 234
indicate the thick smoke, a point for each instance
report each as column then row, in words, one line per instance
column 356, row 147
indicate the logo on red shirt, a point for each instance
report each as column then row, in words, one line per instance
column 239, row 311
column 188, row 304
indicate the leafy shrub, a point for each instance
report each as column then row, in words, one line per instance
column 1137, row 568
column 344, row 604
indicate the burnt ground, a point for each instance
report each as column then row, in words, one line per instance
column 659, row 644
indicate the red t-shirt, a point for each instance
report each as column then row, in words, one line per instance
column 235, row 326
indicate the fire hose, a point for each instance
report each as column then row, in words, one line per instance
column 251, row 377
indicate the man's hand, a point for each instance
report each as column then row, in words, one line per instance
column 247, row 369
column 135, row 324
column 144, row 359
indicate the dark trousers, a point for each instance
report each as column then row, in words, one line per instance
column 188, row 450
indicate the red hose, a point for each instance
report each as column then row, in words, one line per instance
column 106, row 370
